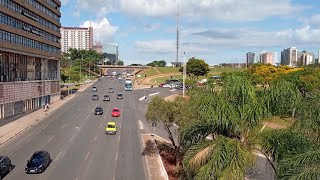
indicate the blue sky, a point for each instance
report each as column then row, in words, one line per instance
column 214, row 30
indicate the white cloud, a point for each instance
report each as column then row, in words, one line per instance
column 234, row 10
column 103, row 31
column 314, row 20
column 155, row 46
column 64, row 2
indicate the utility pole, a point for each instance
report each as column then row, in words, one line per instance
column 178, row 16
column 184, row 74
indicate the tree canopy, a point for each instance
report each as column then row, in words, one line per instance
column 196, row 67
column 161, row 63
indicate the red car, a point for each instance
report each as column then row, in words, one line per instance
column 115, row 112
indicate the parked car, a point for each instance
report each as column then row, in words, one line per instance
column 111, row 128
column 5, row 165
column 98, row 111
column 88, row 81
column 106, row 98
column 119, row 96
column 38, row 162
column 95, row 97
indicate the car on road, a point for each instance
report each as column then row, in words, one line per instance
column 119, row 96
column 94, row 89
column 111, row 128
column 95, row 97
column 106, row 98
column 6, row 166
column 88, row 81
column 120, row 81
column 98, row 111
column 115, row 112
column 38, row 162
column 111, row 90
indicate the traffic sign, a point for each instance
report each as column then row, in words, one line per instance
column 154, row 124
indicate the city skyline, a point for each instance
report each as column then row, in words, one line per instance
column 215, row 31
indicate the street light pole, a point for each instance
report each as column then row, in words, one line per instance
column 184, row 74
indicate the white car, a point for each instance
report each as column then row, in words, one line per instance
column 166, row 86
column 88, row 81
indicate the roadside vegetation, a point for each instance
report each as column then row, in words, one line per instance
column 267, row 110
column 76, row 60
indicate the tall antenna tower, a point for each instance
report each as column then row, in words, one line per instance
column 178, row 16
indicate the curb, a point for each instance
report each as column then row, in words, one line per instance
column 41, row 117
column 163, row 169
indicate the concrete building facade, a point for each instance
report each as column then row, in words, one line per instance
column 29, row 54
column 267, row 58
column 289, row 57
column 251, row 58
column 305, row 58
column 76, row 38
column 98, row 48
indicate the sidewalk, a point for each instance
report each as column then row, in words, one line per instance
column 14, row 128
column 155, row 165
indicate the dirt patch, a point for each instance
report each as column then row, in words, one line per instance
column 274, row 126
column 166, row 152
column 171, row 97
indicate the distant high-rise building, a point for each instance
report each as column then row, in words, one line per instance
column 318, row 56
column 305, row 58
column 76, row 38
column 267, row 58
column 289, row 57
column 111, row 53
column 98, row 48
column 251, row 58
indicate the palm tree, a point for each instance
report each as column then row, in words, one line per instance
column 230, row 115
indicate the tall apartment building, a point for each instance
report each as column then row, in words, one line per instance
column 289, row 57
column 251, row 58
column 305, row 58
column 267, row 58
column 29, row 54
column 76, row 38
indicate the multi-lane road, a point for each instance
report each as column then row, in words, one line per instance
column 77, row 142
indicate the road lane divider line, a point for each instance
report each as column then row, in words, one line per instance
column 87, row 156
column 58, row 156
column 63, row 126
column 29, row 140
column 117, row 156
column 73, row 136
column 50, row 139
column 143, row 98
column 100, row 125
column 153, row 94
column 140, row 125
column 95, row 138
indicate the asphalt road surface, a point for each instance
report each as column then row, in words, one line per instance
column 77, row 142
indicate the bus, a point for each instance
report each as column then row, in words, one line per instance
column 128, row 85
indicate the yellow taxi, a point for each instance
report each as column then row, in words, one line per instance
column 111, row 128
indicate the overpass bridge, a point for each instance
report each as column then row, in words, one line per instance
column 105, row 68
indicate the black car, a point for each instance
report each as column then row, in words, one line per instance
column 94, row 89
column 6, row 166
column 106, row 98
column 95, row 97
column 98, row 111
column 119, row 96
column 38, row 162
